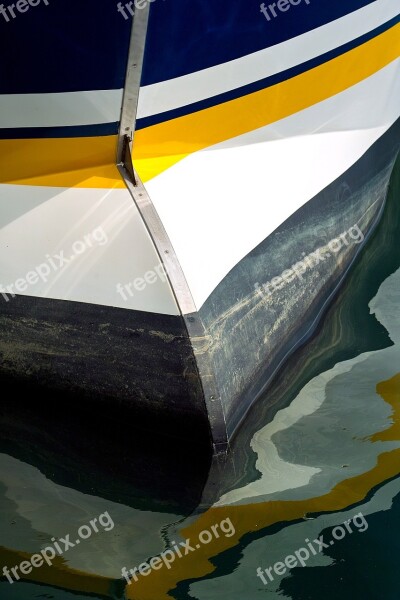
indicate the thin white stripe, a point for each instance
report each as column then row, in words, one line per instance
column 175, row 93
column 283, row 165
column 60, row 110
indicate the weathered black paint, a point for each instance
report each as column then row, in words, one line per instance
column 134, row 364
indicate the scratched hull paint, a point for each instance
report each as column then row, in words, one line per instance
column 252, row 326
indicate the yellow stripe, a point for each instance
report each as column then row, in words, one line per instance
column 61, row 162
column 59, row 574
column 90, row 162
column 159, row 147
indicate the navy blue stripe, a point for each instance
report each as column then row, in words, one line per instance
column 69, row 45
column 25, row 133
column 264, row 83
column 185, row 36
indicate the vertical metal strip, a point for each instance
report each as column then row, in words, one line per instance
column 184, row 299
column 162, row 243
column 133, row 78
